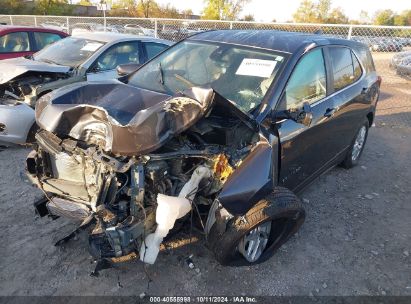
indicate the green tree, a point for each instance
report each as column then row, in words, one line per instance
column 306, row 12
column 223, row 9
column 85, row 3
column 11, row 7
column 146, row 6
column 187, row 13
column 248, row 17
column 384, row 17
column 364, row 17
column 51, row 7
column 403, row 19
column 323, row 9
column 337, row 16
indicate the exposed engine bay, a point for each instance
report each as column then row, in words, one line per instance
column 134, row 192
column 27, row 87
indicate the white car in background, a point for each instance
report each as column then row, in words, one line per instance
column 83, row 57
column 138, row 30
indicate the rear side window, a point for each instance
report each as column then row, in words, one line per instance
column 307, row 82
column 366, row 59
column 346, row 68
column 15, row 42
column 357, row 67
column 44, row 39
column 153, row 49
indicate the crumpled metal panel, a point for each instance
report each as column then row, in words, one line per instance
column 120, row 118
column 11, row 68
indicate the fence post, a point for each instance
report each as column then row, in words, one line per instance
column 105, row 21
column 35, row 21
column 349, row 33
column 68, row 25
column 155, row 28
column 11, row 20
column 231, row 25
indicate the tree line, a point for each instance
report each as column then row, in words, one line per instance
column 321, row 11
column 309, row 11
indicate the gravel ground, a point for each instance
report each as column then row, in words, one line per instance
column 356, row 239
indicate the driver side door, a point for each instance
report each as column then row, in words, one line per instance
column 306, row 150
column 104, row 67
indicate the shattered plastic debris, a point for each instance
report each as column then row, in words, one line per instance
column 189, row 262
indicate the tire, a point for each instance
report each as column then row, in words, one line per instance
column 351, row 161
column 282, row 209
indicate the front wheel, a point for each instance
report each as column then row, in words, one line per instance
column 254, row 237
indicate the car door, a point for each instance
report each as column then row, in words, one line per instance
column 105, row 65
column 15, row 44
column 152, row 49
column 307, row 150
column 350, row 95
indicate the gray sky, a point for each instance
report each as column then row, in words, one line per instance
column 267, row 10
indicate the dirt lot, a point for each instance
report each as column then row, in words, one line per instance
column 356, row 239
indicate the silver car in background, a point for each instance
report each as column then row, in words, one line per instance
column 83, row 57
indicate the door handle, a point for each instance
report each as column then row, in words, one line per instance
column 330, row 112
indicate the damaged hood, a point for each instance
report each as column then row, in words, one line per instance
column 121, row 119
column 11, row 68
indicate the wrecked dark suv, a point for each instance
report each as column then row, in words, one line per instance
column 223, row 128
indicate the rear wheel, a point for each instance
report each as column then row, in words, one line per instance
column 357, row 146
column 254, row 237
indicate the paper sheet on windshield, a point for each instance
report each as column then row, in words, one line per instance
column 256, row 67
column 91, row 46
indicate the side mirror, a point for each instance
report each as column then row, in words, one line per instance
column 128, row 68
column 302, row 115
column 305, row 116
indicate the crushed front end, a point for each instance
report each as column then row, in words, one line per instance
column 132, row 181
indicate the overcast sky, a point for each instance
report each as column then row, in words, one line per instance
column 282, row 10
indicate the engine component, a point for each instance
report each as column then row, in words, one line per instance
column 168, row 211
column 62, row 207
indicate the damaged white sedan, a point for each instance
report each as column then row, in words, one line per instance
column 86, row 56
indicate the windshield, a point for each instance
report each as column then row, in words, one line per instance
column 70, row 51
column 242, row 75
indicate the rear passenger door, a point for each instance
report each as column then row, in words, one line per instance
column 349, row 95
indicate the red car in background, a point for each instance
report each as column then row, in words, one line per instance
column 18, row 41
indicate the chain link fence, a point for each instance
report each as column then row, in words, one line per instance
column 380, row 39
column 391, row 45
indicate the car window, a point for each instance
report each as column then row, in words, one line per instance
column 343, row 67
column 240, row 74
column 122, row 53
column 152, row 49
column 70, row 51
column 357, row 67
column 308, row 82
column 15, row 42
column 366, row 59
column 44, row 39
